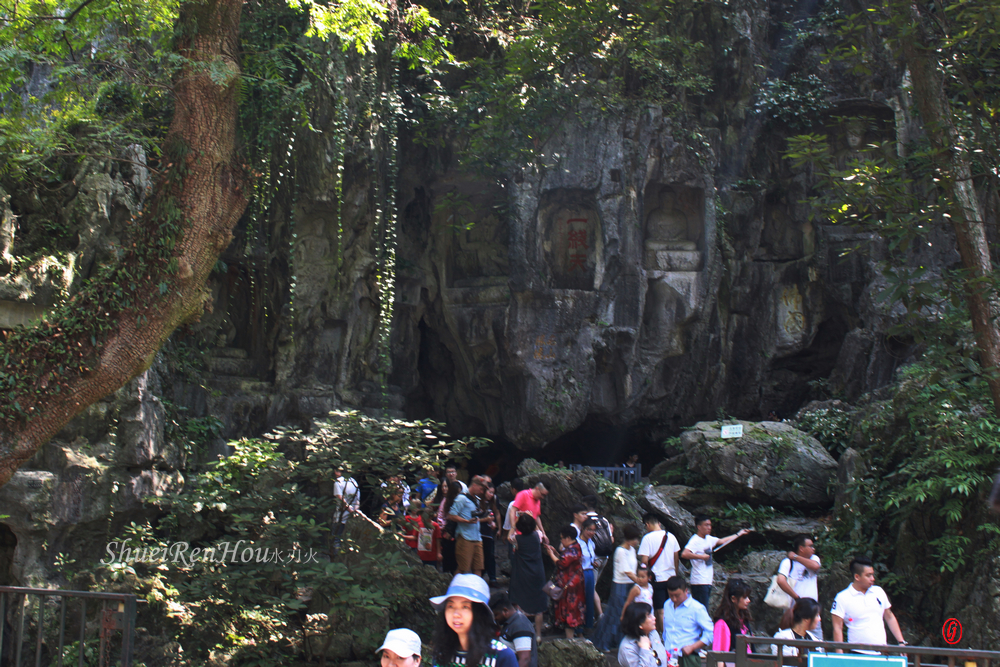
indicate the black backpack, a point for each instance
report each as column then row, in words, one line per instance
column 604, row 541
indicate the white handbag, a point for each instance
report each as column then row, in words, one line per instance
column 776, row 597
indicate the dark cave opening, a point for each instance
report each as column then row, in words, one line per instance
column 593, row 443
column 791, row 378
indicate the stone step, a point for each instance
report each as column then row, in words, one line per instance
column 231, row 366
column 239, row 385
column 230, row 353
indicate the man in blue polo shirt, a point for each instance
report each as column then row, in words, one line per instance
column 687, row 627
column 468, row 538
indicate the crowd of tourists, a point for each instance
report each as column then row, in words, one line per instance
column 654, row 616
column 474, row 628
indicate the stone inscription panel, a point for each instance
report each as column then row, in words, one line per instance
column 469, row 214
column 570, row 230
column 545, row 347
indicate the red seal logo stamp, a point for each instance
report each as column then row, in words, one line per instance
column 952, row 631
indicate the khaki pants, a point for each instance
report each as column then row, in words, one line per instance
column 469, row 556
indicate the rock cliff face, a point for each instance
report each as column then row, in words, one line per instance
column 646, row 271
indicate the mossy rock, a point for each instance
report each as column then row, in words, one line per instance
column 569, row 653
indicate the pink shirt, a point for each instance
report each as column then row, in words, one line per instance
column 722, row 637
column 525, row 501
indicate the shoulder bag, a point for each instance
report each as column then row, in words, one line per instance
column 553, row 590
column 776, row 597
column 656, row 556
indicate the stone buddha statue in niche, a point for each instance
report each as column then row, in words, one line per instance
column 668, row 245
column 855, row 141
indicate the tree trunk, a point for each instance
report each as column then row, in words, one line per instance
column 205, row 188
column 966, row 217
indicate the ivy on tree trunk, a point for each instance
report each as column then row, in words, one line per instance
column 111, row 331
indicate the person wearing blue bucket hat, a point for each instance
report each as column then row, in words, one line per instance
column 465, row 631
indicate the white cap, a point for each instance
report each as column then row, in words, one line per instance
column 401, row 641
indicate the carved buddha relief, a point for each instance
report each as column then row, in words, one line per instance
column 481, row 250
column 673, row 229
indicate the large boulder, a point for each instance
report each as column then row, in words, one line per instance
column 783, row 529
column 569, row 653
column 757, row 568
column 663, row 502
column 772, row 462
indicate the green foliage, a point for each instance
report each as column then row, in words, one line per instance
column 832, row 427
column 797, row 101
column 361, row 24
column 931, row 453
column 108, row 62
column 745, row 516
column 191, row 434
column 71, row 654
column 561, row 58
column 275, row 494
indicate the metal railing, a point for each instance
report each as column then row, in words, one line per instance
column 619, row 474
column 121, row 617
column 919, row 656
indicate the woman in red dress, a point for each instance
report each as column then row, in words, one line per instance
column 572, row 606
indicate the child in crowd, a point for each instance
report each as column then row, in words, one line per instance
column 428, row 541
column 642, row 591
column 413, row 524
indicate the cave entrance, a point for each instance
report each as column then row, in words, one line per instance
column 8, row 544
column 599, row 443
column 594, row 443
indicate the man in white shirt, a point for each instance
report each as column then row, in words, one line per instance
column 865, row 609
column 797, row 573
column 698, row 550
column 348, row 502
column 451, row 472
column 660, row 551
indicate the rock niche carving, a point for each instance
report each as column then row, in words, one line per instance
column 675, row 224
column 477, row 255
column 480, row 252
column 791, row 315
column 571, row 238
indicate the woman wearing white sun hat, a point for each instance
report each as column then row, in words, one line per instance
column 464, row 633
column 401, row 648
